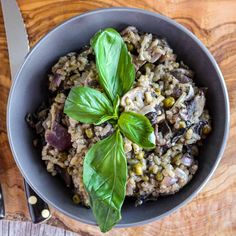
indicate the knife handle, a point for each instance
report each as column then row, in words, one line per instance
column 2, row 208
column 38, row 209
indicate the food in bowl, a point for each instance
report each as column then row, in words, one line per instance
column 124, row 118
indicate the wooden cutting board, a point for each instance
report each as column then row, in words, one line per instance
column 213, row 211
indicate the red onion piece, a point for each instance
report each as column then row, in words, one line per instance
column 58, row 137
column 186, row 160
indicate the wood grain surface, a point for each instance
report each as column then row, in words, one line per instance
column 213, row 211
column 19, row 228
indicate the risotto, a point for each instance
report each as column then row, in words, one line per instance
column 164, row 91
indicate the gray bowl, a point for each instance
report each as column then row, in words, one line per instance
column 29, row 88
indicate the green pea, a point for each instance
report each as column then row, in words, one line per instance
column 138, row 169
column 89, row 133
column 130, row 47
column 169, row 102
column 159, row 176
column 76, row 199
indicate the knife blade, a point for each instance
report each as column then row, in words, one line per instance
column 18, row 47
column 17, row 39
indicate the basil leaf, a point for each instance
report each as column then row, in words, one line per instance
column 113, row 62
column 104, row 176
column 88, row 105
column 137, row 128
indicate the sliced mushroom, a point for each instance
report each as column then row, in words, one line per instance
column 194, row 108
column 132, row 94
column 199, row 101
column 190, row 93
column 182, row 75
column 152, row 113
column 188, row 112
column 159, row 137
column 154, row 54
column 147, row 109
column 137, row 62
column 179, row 101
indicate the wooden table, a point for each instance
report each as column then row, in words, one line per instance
column 213, row 211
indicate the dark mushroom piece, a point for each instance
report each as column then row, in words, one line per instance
column 152, row 116
column 182, row 75
column 31, row 120
column 64, row 176
column 165, row 129
column 178, row 135
column 163, row 133
column 39, row 127
column 199, row 126
column 187, row 114
column 176, row 92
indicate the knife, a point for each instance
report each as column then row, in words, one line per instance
column 18, row 47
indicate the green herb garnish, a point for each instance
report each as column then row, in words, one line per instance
column 137, row 128
column 105, row 167
column 105, row 176
column 89, row 106
column 114, row 63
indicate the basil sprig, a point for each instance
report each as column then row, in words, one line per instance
column 105, row 167
column 113, row 62
column 105, row 176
